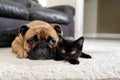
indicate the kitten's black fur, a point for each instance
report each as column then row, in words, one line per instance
column 70, row 50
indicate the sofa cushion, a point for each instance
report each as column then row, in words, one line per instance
column 49, row 15
column 7, row 36
column 34, row 4
column 13, row 10
column 27, row 3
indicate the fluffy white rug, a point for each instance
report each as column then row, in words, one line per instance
column 105, row 65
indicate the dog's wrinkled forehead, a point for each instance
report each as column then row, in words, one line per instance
column 42, row 29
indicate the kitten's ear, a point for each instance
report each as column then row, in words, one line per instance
column 23, row 29
column 58, row 29
column 80, row 41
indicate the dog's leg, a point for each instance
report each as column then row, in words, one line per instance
column 17, row 48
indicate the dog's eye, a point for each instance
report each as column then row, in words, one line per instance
column 30, row 41
column 33, row 39
column 51, row 40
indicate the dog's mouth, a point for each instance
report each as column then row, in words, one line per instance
column 41, row 51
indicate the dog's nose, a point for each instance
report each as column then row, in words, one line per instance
column 42, row 46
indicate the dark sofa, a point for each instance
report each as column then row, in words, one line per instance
column 15, row 15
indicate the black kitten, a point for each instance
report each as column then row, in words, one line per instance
column 70, row 50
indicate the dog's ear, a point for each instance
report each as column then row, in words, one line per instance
column 58, row 29
column 23, row 29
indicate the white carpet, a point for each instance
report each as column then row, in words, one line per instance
column 105, row 65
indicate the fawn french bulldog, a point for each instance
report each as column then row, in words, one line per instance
column 36, row 36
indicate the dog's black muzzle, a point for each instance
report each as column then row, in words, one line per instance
column 41, row 51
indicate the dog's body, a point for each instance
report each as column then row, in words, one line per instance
column 32, row 34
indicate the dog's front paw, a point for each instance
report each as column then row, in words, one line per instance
column 22, row 54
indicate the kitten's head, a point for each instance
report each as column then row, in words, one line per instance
column 70, row 49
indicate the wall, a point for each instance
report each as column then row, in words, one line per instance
column 61, row 2
column 90, row 16
column 43, row 2
column 109, row 16
column 102, row 19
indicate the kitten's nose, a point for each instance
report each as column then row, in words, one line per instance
column 42, row 46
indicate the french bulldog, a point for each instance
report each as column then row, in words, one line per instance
column 36, row 40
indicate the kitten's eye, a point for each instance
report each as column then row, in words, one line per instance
column 73, row 52
column 63, row 51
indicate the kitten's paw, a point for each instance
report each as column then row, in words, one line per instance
column 58, row 59
column 85, row 55
column 22, row 54
column 74, row 61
